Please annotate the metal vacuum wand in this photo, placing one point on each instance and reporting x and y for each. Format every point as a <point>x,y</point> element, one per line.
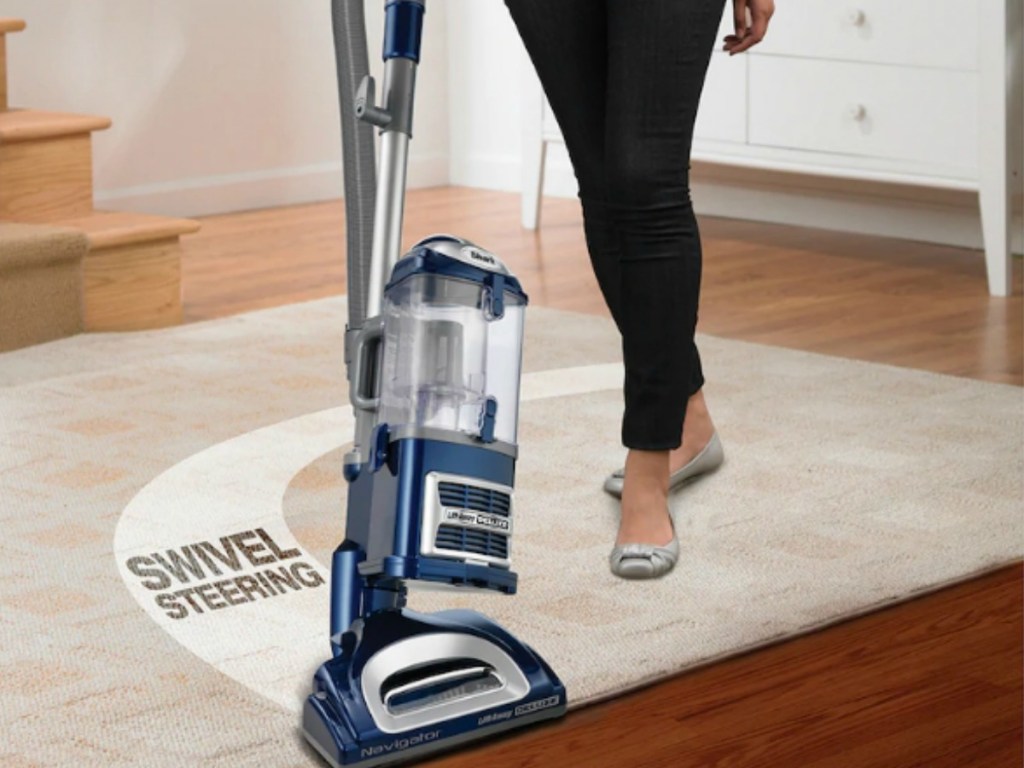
<point>369,271</point>
<point>394,118</point>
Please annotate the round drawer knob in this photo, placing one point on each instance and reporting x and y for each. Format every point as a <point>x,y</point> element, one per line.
<point>857,17</point>
<point>857,112</point>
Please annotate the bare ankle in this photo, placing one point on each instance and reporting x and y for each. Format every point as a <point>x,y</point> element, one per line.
<point>697,407</point>
<point>646,473</point>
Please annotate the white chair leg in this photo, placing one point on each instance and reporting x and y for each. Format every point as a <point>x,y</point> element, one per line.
<point>533,184</point>
<point>534,152</point>
<point>996,173</point>
<point>995,219</point>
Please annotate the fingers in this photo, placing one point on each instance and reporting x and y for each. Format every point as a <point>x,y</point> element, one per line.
<point>739,17</point>
<point>761,13</point>
<point>759,27</point>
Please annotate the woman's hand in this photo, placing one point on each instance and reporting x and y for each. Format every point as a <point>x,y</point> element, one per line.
<point>747,37</point>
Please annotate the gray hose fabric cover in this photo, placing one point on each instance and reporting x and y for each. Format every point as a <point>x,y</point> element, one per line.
<point>358,152</point>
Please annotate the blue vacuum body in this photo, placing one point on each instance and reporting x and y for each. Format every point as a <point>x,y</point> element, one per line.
<point>431,501</point>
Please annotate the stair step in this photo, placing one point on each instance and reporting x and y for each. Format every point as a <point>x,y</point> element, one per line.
<point>17,125</point>
<point>110,229</point>
<point>42,181</point>
<point>11,25</point>
<point>40,284</point>
<point>46,164</point>
<point>132,275</point>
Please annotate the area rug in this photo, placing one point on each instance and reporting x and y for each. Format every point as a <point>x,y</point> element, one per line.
<point>139,471</point>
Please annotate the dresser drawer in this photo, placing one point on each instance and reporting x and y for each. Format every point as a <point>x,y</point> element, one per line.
<point>723,104</point>
<point>921,116</point>
<point>925,33</point>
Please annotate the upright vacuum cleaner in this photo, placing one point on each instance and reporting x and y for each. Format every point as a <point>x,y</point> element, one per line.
<point>433,352</point>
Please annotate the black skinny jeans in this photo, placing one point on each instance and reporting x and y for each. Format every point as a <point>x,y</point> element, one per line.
<point>623,78</point>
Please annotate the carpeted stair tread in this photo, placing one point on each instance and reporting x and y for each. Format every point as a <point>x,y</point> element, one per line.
<point>33,124</point>
<point>11,25</point>
<point>40,283</point>
<point>36,244</point>
<point>108,229</point>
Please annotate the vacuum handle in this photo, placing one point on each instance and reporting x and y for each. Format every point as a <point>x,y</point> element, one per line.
<point>365,381</point>
<point>366,104</point>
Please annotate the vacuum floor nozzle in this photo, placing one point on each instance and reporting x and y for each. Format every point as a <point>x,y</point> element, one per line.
<point>410,684</point>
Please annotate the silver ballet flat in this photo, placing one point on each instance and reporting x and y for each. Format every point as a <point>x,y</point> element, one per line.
<point>644,561</point>
<point>708,460</point>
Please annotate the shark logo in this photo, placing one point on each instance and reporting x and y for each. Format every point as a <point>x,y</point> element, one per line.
<point>475,254</point>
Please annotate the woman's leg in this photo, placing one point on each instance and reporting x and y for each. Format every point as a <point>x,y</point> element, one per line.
<point>658,53</point>
<point>568,42</point>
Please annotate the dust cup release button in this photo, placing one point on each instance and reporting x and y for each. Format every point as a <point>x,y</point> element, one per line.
<point>487,419</point>
<point>493,301</point>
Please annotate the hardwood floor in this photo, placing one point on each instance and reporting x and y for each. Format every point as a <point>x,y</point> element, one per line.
<point>933,682</point>
<point>890,301</point>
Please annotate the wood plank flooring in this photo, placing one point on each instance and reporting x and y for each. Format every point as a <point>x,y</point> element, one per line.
<point>933,682</point>
<point>890,301</point>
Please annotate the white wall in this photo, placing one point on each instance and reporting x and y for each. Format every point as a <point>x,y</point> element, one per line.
<point>218,105</point>
<point>490,77</point>
<point>487,65</point>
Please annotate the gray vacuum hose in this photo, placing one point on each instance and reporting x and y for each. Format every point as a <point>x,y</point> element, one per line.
<point>358,154</point>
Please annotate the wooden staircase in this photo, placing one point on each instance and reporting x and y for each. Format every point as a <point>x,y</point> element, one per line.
<point>132,273</point>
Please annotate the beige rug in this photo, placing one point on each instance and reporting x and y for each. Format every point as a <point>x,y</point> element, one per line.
<point>133,468</point>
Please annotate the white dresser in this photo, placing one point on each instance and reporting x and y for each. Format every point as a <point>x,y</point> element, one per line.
<point>906,91</point>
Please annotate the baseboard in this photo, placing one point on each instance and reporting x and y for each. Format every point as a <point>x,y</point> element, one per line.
<point>890,210</point>
<point>211,195</point>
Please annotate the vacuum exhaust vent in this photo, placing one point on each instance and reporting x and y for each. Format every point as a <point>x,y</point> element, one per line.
<point>468,519</point>
<point>475,497</point>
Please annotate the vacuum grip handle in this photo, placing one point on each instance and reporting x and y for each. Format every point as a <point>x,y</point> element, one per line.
<point>364,383</point>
